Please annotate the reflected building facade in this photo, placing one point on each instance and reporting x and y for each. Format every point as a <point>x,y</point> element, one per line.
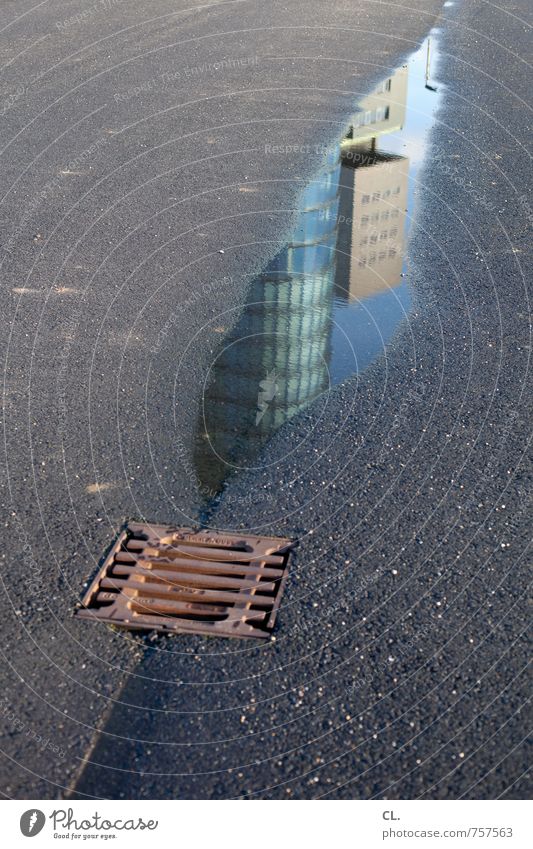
<point>275,360</point>
<point>373,196</point>
<point>348,243</point>
<point>381,112</point>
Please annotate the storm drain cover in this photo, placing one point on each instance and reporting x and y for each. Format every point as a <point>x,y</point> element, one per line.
<point>190,581</point>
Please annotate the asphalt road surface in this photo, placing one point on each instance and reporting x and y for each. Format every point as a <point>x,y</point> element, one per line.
<point>141,194</point>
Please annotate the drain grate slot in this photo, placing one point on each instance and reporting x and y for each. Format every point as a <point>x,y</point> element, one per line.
<point>189,581</point>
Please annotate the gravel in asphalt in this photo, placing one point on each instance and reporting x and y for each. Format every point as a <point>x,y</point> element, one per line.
<point>398,668</point>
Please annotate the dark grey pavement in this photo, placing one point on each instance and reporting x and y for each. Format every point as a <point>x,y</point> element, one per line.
<point>398,668</point>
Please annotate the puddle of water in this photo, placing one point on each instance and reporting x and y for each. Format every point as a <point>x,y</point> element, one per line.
<point>332,299</point>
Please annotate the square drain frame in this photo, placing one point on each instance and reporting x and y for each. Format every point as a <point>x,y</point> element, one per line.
<point>182,580</point>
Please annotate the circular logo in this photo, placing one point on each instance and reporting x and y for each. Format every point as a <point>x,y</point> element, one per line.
<point>32,822</point>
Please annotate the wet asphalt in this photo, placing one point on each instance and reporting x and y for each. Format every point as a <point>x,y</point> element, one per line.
<point>398,665</point>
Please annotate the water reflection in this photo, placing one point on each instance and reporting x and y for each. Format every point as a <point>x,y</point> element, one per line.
<point>275,360</point>
<point>330,301</point>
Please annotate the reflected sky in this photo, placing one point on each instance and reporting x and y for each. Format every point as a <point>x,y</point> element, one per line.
<point>331,300</point>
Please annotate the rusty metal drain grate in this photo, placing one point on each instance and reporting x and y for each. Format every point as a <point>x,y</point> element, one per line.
<point>188,581</point>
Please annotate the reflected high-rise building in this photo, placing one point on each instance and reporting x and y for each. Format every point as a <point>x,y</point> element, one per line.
<point>276,359</point>
<point>381,112</point>
<point>373,196</point>
<point>372,212</point>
